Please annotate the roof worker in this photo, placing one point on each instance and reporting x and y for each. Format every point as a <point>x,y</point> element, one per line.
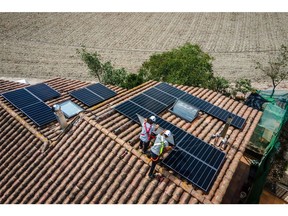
<point>158,148</point>
<point>147,133</point>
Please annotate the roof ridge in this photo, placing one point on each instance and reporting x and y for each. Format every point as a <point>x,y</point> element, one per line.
<point>188,188</point>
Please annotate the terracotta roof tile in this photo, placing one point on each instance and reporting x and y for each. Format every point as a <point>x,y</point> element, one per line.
<point>185,197</point>
<point>97,161</point>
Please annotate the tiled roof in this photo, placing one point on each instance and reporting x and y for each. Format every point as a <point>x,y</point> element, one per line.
<point>97,160</point>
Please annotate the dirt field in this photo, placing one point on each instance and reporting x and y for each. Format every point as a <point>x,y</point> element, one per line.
<point>43,45</point>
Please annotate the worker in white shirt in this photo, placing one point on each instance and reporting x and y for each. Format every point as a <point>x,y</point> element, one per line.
<point>147,133</point>
<point>160,145</point>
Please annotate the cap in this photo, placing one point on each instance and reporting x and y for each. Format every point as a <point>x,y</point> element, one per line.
<point>167,133</point>
<point>153,118</point>
<point>56,107</point>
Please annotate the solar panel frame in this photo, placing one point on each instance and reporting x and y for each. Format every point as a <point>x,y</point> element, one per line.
<point>43,91</point>
<point>40,113</point>
<point>20,98</point>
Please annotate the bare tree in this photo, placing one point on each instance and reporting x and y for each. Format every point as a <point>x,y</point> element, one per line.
<point>276,68</point>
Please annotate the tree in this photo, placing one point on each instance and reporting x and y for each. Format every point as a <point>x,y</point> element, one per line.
<point>93,62</point>
<point>186,65</point>
<point>106,73</point>
<point>276,69</point>
<point>219,84</point>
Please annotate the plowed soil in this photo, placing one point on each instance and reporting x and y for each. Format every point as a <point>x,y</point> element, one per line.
<point>43,45</point>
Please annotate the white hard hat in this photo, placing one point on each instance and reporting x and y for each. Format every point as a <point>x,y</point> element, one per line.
<point>153,118</point>
<point>167,133</point>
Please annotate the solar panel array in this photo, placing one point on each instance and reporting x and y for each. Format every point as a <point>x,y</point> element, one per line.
<point>213,110</point>
<point>29,101</point>
<point>168,94</point>
<point>158,98</point>
<point>93,94</point>
<point>191,158</point>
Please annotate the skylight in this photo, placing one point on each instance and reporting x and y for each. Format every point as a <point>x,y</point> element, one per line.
<point>70,109</point>
<point>184,110</point>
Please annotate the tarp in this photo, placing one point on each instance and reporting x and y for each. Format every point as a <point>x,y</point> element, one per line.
<point>265,139</point>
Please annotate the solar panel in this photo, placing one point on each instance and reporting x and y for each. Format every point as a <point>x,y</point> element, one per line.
<point>93,94</point>
<point>43,91</point>
<point>213,110</point>
<point>175,92</point>
<point>160,96</point>
<point>238,121</point>
<point>39,113</point>
<point>101,90</point>
<point>130,110</point>
<point>202,150</point>
<point>191,168</point>
<point>86,96</point>
<point>149,103</point>
<point>20,98</point>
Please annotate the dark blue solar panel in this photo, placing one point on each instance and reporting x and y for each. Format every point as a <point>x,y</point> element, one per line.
<point>149,103</point>
<point>93,94</point>
<point>160,96</point>
<point>175,92</point>
<point>202,150</point>
<point>20,98</point>
<point>39,113</point>
<point>238,121</point>
<point>101,90</point>
<point>130,110</point>
<point>43,91</point>
<point>213,110</point>
<point>191,168</point>
<point>86,96</point>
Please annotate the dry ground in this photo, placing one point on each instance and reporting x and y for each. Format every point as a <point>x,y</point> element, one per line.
<point>43,45</point>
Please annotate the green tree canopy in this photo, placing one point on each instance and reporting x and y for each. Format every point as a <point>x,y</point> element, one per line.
<point>186,65</point>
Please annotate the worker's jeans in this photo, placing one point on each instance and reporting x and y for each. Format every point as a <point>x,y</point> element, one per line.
<point>155,159</point>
